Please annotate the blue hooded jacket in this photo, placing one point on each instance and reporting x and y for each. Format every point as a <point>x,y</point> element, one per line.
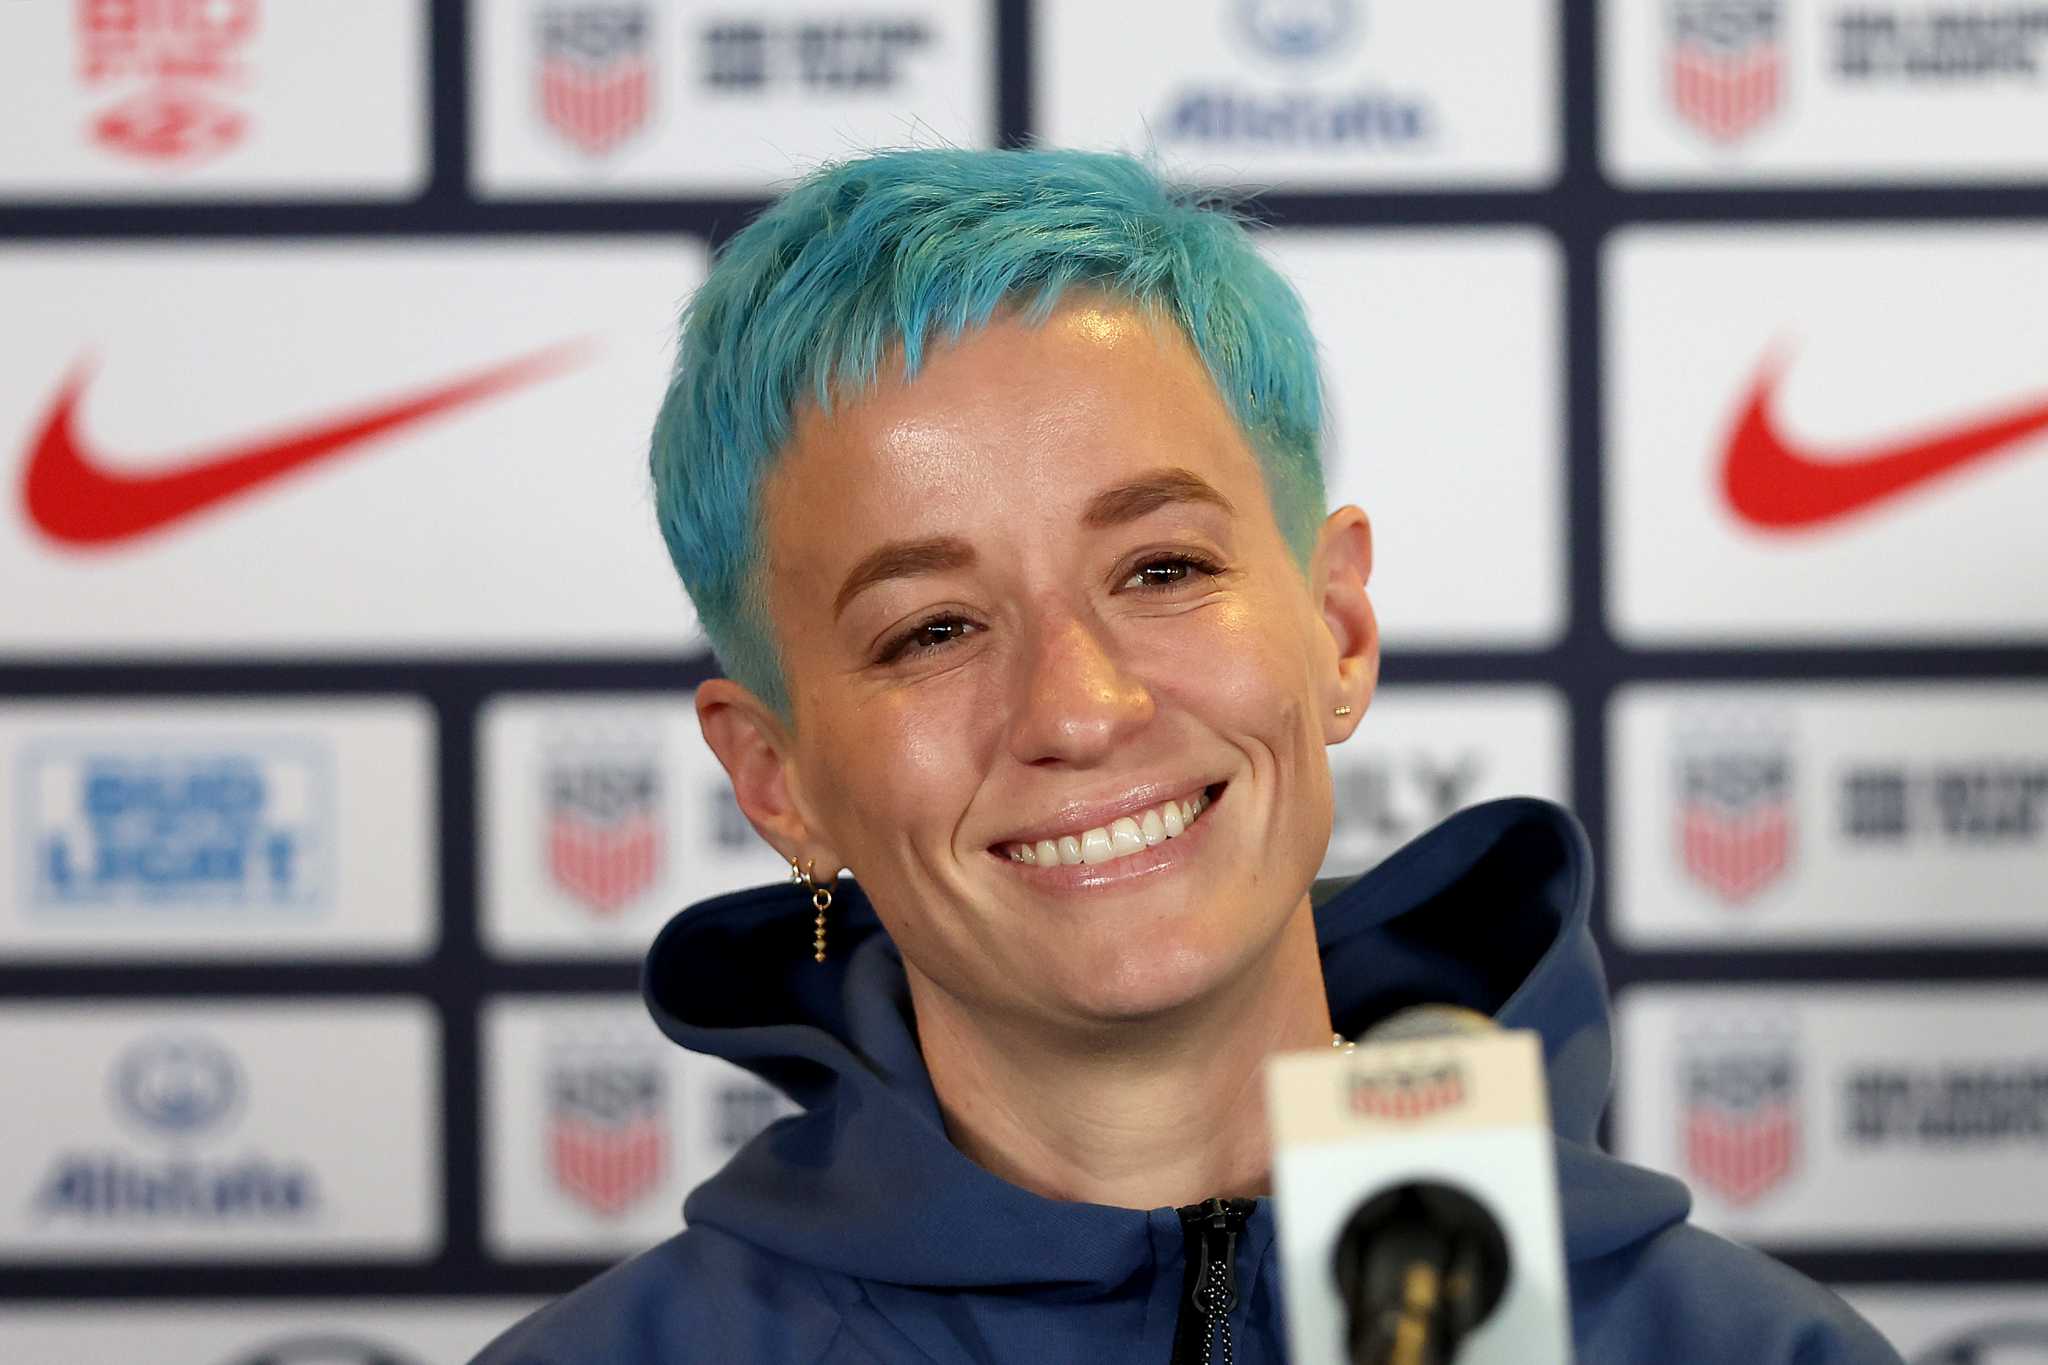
<point>856,1232</point>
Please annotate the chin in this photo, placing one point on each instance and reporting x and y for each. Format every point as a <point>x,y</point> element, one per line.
<point>1128,986</point>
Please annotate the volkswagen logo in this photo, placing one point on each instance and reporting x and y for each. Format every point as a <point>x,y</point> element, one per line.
<point>177,1085</point>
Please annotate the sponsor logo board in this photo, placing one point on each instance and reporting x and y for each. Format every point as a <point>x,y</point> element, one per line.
<point>603,98</point>
<point>1316,94</point>
<point>1727,91</point>
<point>1422,753</point>
<point>1822,1116</point>
<point>1410,326</point>
<point>598,1125</point>
<point>151,99</point>
<point>170,420</point>
<point>1842,813</point>
<point>1794,416</point>
<point>1965,1324</point>
<point>205,1332</point>
<point>227,1130</point>
<point>602,817</point>
<point>217,829</point>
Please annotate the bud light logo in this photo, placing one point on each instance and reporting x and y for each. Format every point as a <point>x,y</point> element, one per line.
<point>180,1092</point>
<point>160,828</point>
<point>177,1086</point>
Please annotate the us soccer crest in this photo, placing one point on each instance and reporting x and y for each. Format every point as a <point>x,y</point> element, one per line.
<point>1735,827</point>
<point>604,822</point>
<point>596,73</point>
<point>1739,1107</point>
<point>1408,1093</point>
<point>1725,69</point>
<point>608,1138</point>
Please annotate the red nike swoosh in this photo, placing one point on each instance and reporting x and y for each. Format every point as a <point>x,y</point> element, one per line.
<point>1777,486</point>
<point>72,499</point>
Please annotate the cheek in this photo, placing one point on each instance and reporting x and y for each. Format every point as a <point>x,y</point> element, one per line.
<point>902,772</point>
<point>1248,666</point>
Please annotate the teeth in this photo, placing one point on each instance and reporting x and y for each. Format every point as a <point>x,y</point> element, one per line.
<point>1118,839</point>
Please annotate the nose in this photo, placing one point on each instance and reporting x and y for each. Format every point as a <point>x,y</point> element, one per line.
<point>1077,702</point>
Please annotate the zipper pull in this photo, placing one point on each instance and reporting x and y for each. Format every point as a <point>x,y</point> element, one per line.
<point>1215,1289</point>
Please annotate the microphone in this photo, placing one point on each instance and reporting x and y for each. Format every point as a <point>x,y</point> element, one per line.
<point>1415,1188</point>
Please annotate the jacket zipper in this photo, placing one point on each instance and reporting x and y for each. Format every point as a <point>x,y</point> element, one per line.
<point>1209,1293</point>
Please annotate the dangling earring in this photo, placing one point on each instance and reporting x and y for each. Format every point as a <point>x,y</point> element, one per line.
<point>821,901</point>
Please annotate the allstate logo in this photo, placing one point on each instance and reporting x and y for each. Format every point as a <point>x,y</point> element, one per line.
<point>177,1086</point>
<point>324,1350</point>
<point>1296,29</point>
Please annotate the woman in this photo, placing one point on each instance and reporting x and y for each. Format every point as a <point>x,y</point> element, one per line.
<point>994,477</point>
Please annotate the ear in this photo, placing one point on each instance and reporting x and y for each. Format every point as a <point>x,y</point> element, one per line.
<point>759,755</point>
<point>1342,564</point>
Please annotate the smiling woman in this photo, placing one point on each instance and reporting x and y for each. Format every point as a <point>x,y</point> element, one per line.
<point>994,478</point>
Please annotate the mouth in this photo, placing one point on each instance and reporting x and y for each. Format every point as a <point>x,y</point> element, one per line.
<point>1127,836</point>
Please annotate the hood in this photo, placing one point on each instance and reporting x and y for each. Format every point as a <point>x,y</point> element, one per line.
<point>1488,910</point>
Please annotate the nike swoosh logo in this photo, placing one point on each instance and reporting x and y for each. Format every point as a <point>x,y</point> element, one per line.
<point>1777,486</point>
<point>75,500</point>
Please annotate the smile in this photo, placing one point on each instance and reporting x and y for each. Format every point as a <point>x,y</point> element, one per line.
<point>1120,838</point>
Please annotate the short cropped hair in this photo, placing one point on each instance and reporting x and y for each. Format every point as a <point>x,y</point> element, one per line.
<point>882,257</point>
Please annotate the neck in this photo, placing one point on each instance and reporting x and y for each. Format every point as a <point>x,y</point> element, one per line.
<point>1168,1111</point>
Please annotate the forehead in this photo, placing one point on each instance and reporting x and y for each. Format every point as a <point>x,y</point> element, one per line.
<point>1048,411</point>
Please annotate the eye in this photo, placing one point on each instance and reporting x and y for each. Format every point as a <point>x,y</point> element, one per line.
<point>1163,573</point>
<point>927,637</point>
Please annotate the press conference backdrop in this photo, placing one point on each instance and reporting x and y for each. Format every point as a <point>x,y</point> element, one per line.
<point>1691,357</point>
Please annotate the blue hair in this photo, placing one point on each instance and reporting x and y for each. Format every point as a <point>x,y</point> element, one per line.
<point>886,255</point>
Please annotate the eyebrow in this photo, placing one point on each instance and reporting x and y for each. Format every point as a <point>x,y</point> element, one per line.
<point>903,559</point>
<point>1149,492</point>
<point>1126,502</point>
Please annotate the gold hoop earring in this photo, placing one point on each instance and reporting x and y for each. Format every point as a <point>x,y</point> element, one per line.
<point>805,875</point>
